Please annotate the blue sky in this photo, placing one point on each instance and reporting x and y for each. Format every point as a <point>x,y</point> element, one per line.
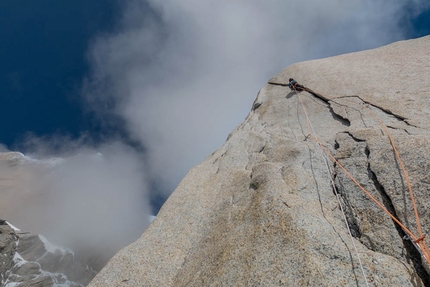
<point>43,56</point>
<point>420,25</point>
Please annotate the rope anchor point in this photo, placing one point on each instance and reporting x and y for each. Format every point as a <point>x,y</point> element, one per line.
<point>420,239</point>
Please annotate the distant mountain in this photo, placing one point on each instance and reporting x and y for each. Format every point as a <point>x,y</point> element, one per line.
<point>31,260</point>
<point>264,209</point>
<point>69,202</point>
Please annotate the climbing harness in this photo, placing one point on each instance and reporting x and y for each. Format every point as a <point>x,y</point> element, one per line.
<point>294,86</point>
<point>418,241</point>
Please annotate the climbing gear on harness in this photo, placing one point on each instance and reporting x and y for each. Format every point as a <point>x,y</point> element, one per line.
<point>294,86</point>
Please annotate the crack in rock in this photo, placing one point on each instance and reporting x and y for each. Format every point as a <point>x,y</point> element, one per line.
<point>343,120</point>
<point>412,256</point>
<point>356,140</point>
<point>385,110</point>
<point>348,146</point>
<point>412,253</point>
<point>327,100</point>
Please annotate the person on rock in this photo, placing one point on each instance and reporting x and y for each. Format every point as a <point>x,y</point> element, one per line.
<point>294,86</point>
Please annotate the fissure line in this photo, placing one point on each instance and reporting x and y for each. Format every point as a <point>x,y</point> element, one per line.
<point>310,130</point>
<point>417,240</point>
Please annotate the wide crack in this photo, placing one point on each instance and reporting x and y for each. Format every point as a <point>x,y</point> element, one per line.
<point>412,253</point>
<point>344,121</point>
<point>325,99</point>
<point>385,110</point>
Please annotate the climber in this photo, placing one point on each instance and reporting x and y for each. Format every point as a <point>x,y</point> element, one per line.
<point>294,86</point>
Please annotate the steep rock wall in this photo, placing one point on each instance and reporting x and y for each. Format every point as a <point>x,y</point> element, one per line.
<point>261,210</point>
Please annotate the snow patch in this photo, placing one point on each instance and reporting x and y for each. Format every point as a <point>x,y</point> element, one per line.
<point>18,260</point>
<point>20,158</point>
<point>13,227</point>
<point>59,279</point>
<point>12,284</point>
<point>51,248</point>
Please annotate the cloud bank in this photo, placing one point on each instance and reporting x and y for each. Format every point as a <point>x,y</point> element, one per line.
<point>183,74</point>
<point>92,200</point>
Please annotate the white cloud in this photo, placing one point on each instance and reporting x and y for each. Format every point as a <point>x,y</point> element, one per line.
<point>183,74</point>
<point>99,198</point>
<point>93,201</point>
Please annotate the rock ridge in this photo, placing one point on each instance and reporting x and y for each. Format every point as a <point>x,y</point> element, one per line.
<point>262,210</point>
<point>31,260</point>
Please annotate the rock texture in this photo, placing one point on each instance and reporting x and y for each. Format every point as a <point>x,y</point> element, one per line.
<point>261,210</point>
<point>28,259</point>
<point>7,249</point>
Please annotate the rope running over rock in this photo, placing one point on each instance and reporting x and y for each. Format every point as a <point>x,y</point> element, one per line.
<point>310,130</point>
<point>418,241</point>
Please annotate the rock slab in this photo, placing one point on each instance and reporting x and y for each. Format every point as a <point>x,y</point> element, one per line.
<point>262,210</point>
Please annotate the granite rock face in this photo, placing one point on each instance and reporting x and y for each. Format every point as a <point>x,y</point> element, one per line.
<point>262,211</point>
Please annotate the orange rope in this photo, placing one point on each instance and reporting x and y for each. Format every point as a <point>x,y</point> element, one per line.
<point>405,174</point>
<point>419,241</point>
<point>335,190</point>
